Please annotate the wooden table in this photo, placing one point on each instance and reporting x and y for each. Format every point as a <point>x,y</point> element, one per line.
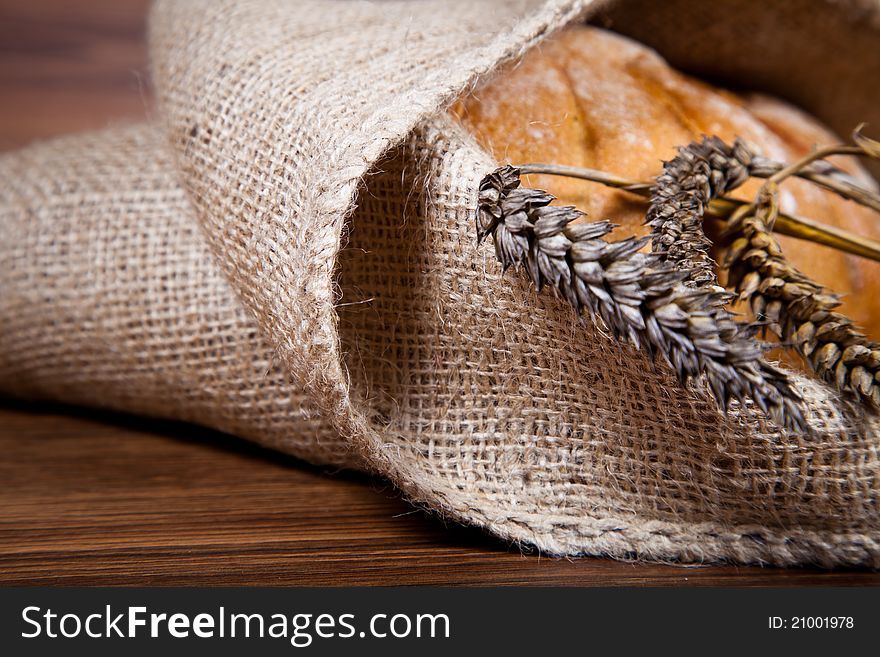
<point>94,498</point>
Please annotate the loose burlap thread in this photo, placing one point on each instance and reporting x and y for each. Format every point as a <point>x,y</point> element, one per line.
<point>288,255</point>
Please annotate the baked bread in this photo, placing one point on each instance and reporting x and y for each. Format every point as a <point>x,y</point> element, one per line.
<point>595,99</point>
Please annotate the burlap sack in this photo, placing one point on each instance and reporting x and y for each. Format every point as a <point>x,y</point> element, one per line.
<point>288,254</point>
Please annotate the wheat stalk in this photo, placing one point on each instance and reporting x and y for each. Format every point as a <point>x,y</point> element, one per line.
<point>824,174</point>
<point>669,301</point>
<point>642,297</point>
<point>723,207</point>
<point>794,307</point>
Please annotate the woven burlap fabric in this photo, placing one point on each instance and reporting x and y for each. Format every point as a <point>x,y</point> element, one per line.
<point>111,299</point>
<point>288,255</point>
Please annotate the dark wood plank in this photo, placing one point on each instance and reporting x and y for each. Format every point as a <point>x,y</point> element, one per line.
<point>95,498</point>
<point>98,498</point>
<point>67,66</point>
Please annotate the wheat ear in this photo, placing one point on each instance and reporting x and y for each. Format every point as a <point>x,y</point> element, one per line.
<point>638,296</point>
<point>794,307</point>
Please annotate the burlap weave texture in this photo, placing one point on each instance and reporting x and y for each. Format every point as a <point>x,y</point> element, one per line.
<point>289,255</point>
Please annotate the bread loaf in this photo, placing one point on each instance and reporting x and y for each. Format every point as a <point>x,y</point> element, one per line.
<point>595,99</point>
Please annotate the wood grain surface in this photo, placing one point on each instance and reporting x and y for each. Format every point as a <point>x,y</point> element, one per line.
<point>91,498</point>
